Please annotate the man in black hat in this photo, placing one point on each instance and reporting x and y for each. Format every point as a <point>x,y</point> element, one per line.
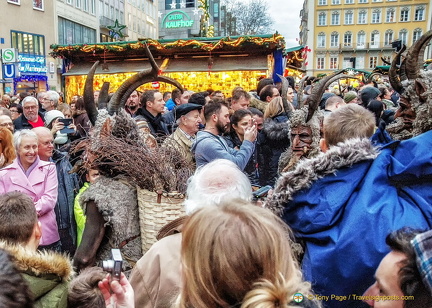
<point>188,120</point>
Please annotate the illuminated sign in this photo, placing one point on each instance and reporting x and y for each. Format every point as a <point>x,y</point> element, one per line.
<point>32,64</point>
<point>177,19</point>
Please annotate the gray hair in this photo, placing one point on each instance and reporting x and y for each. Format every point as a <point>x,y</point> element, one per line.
<point>215,182</point>
<point>53,96</point>
<point>29,99</point>
<point>23,133</point>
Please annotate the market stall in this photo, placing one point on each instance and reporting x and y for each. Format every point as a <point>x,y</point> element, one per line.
<point>198,64</point>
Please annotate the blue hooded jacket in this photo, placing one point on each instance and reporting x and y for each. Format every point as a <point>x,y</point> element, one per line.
<point>344,203</point>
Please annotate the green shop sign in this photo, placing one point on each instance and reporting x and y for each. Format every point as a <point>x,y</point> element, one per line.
<point>177,19</point>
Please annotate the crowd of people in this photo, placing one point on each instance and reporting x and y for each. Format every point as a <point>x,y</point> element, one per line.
<point>345,223</point>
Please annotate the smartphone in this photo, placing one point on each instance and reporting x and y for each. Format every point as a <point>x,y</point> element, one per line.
<point>66,129</point>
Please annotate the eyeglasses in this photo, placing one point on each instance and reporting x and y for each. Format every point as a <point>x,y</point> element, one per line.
<point>6,124</point>
<point>13,111</point>
<point>30,107</point>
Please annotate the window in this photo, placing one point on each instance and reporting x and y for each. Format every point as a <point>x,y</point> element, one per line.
<point>69,2</point>
<point>360,62</point>
<point>38,5</point>
<point>373,62</point>
<point>322,19</point>
<point>376,16</point>
<point>362,17</point>
<point>363,1</point>
<point>335,18</point>
<point>403,36</point>
<point>322,2</point>
<point>386,59</point>
<point>335,1</point>
<point>93,7</point>
<point>320,63</point>
<point>361,39</point>
<point>85,5</point>
<point>348,39</point>
<point>73,33</point>
<point>321,40</point>
<point>374,39</point>
<point>349,1</point>
<point>388,37</point>
<point>78,4</point>
<point>419,13</point>
<point>390,15</point>
<point>333,63</point>
<point>334,39</point>
<point>349,18</point>
<point>180,4</point>
<point>404,14</point>
<point>28,43</point>
<point>417,34</point>
<point>14,1</point>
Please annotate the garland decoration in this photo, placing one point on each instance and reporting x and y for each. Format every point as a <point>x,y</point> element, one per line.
<point>64,51</point>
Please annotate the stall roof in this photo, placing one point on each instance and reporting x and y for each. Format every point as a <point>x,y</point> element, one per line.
<point>294,48</point>
<point>177,65</point>
<point>235,45</point>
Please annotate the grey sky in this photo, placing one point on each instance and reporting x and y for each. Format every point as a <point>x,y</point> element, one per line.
<point>285,14</point>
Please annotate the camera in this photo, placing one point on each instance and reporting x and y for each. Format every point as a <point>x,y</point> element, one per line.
<point>114,266</point>
<point>261,193</point>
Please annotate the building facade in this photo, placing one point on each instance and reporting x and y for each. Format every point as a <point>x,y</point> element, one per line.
<point>184,18</point>
<point>29,37</point>
<point>141,19</point>
<point>359,33</point>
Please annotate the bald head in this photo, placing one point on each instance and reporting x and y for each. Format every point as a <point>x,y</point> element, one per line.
<point>45,142</point>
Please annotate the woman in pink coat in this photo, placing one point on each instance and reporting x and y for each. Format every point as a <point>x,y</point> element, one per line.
<point>37,179</point>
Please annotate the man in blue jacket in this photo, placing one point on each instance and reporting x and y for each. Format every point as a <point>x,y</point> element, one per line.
<point>209,145</point>
<point>344,202</point>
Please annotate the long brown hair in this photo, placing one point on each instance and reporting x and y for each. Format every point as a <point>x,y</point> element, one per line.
<point>7,146</point>
<point>237,254</point>
<point>274,107</point>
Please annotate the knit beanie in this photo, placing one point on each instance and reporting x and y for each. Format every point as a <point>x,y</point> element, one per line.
<point>369,93</point>
<point>348,97</point>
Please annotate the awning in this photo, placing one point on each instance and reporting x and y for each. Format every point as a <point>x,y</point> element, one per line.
<point>113,67</point>
<point>294,48</point>
<point>220,64</point>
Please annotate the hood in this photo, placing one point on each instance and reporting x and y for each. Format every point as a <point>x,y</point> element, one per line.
<point>276,130</point>
<point>200,136</point>
<point>39,263</point>
<point>309,170</point>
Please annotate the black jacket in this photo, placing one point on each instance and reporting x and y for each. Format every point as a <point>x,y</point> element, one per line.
<point>273,140</point>
<point>22,123</point>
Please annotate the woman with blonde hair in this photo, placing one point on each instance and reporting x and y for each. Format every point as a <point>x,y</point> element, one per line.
<point>7,149</point>
<point>239,255</point>
<point>272,141</point>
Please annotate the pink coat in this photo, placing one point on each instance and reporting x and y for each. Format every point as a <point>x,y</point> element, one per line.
<point>41,187</point>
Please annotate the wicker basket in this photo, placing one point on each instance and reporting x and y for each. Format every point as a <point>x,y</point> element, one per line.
<point>156,209</point>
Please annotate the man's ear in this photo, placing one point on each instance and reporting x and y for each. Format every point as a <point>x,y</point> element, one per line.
<point>214,117</point>
<point>37,231</point>
<point>420,89</point>
<point>323,145</point>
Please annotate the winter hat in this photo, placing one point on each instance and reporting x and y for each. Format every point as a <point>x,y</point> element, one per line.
<point>348,97</point>
<point>369,93</point>
<point>51,115</point>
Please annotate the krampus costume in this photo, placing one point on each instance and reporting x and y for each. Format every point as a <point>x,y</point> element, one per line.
<point>343,204</point>
<point>114,193</point>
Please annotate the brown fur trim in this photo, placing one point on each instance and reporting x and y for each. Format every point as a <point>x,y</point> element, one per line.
<point>39,262</point>
<point>309,170</point>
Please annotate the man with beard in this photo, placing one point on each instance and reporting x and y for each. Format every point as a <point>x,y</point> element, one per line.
<point>209,145</point>
<point>31,117</point>
<point>132,105</point>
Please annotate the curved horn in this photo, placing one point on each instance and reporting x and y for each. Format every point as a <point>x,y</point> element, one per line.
<point>140,82</point>
<point>385,61</point>
<point>89,102</point>
<point>300,91</point>
<point>284,91</point>
<point>415,53</point>
<point>317,92</point>
<point>142,77</point>
<point>103,96</point>
<point>371,77</point>
<point>393,73</point>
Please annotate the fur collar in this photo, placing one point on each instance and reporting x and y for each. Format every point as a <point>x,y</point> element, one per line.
<point>307,171</point>
<point>276,131</point>
<point>39,262</point>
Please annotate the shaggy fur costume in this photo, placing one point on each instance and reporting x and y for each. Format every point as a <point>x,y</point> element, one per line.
<point>117,202</point>
<point>423,121</point>
<point>307,171</point>
<point>287,161</point>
